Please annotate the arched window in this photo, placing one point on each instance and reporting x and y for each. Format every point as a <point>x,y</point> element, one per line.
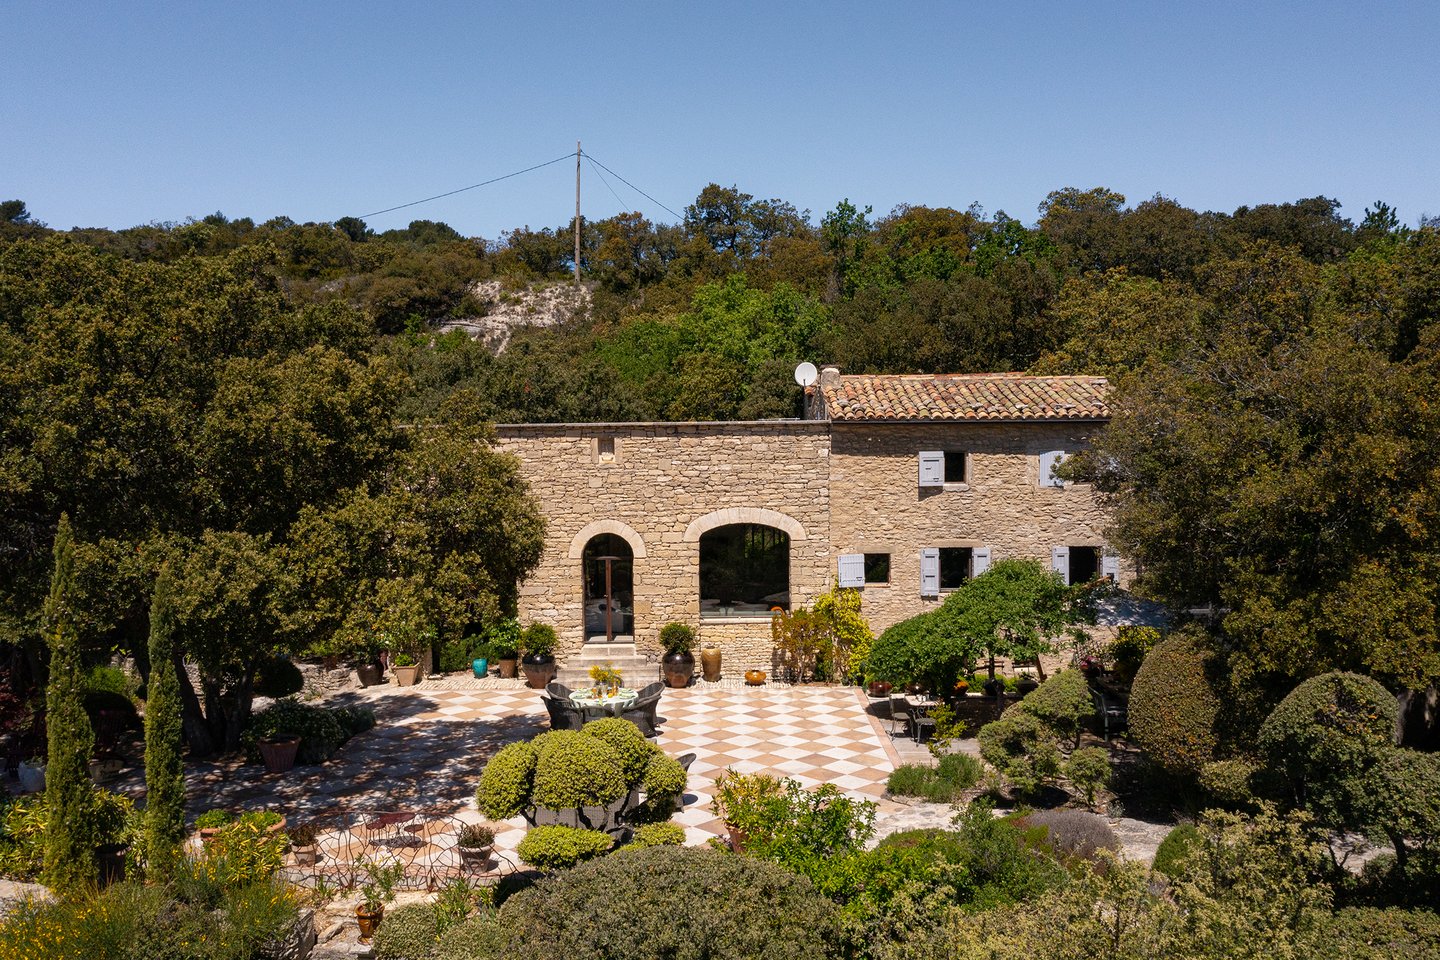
<point>621,586</point>
<point>744,569</point>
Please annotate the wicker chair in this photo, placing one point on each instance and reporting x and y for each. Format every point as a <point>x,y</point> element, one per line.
<point>563,716</point>
<point>558,690</point>
<point>642,711</point>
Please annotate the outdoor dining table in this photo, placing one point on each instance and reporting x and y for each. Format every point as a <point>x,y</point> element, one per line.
<point>605,704</point>
<point>920,705</point>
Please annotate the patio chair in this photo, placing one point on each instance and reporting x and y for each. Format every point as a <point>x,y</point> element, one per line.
<point>642,711</point>
<point>896,711</point>
<point>685,759</point>
<point>651,689</point>
<point>563,716</point>
<point>558,690</point>
<point>1111,713</point>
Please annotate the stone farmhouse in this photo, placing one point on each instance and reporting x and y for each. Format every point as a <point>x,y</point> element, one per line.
<point>902,486</point>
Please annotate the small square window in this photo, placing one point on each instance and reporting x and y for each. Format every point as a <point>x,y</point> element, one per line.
<point>954,567</point>
<point>956,463</point>
<point>605,448</point>
<point>877,568</point>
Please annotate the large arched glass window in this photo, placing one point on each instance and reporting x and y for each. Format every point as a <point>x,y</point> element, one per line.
<point>621,587</point>
<point>744,569</point>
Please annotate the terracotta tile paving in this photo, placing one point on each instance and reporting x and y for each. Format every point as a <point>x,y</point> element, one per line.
<point>431,743</point>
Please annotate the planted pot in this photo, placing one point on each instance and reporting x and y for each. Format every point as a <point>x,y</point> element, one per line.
<point>710,664</point>
<point>279,753</point>
<point>755,678</point>
<point>32,777</point>
<point>475,858</point>
<point>678,668</point>
<point>368,920</point>
<point>368,673</point>
<point>738,837</point>
<point>509,667</point>
<point>879,688</point>
<point>111,859</point>
<point>481,666</point>
<point>305,856</point>
<point>406,676</point>
<point>1026,684</point>
<point>540,669</point>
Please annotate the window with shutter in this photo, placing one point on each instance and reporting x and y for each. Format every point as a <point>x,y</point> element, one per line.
<point>979,561</point>
<point>930,572</point>
<point>954,567</point>
<point>932,468</point>
<point>852,570</point>
<point>1110,568</point>
<point>877,569</point>
<point>1048,462</point>
<point>1060,562</point>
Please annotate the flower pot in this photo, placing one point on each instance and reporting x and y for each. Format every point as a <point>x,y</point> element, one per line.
<point>879,688</point>
<point>917,687</point>
<point>32,777</point>
<point>509,666</point>
<point>710,664</point>
<point>738,837</point>
<point>962,689</point>
<point>678,668</point>
<point>539,670</point>
<point>475,858</point>
<point>368,920</point>
<point>406,676</point>
<point>279,753</point>
<point>1026,684</point>
<point>369,674</point>
<point>305,856</point>
<point>111,859</point>
<point>755,678</point>
<point>481,666</point>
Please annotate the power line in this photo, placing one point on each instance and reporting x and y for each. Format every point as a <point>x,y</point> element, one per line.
<point>452,193</point>
<point>604,181</point>
<point>635,188</point>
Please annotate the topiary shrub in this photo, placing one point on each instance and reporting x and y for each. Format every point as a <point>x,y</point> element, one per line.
<point>538,640</point>
<point>1063,703</point>
<point>630,746</point>
<point>664,782</point>
<point>478,938</point>
<point>658,835</point>
<point>277,677</point>
<point>1088,769</point>
<point>1174,707</point>
<point>683,902</point>
<point>560,848</point>
<point>573,770</point>
<point>1074,833</point>
<point>408,933</point>
<point>1022,749</point>
<point>1230,784</point>
<point>677,637</point>
<point>1402,802</point>
<point>506,782</point>
<point>1367,933</point>
<point>1178,845</point>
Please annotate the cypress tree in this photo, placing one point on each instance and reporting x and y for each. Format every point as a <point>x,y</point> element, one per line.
<point>164,766</point>
<point>69,796</point>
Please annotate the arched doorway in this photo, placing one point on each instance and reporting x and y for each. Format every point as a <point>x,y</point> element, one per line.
<point>621,586</point>
<point>744,570</point>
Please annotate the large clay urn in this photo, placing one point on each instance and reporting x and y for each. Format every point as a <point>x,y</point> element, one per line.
<point>710,664</point>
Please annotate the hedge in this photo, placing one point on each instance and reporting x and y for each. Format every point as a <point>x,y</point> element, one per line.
<point>1174,708</point>
<point>560,848</point>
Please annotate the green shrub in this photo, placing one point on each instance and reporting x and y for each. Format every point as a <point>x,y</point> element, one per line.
<point>1089,770</point>
<point>244,852</point>
<point>408,933</point>
<point>560,848</point>
<point>574,770</point>
<point>538,640</point>
<point>1360,933</point>
<point>22,837</point>
<point>277,677</point>
<point>1001,861</point>
<point>211,819</point>
<point>506,782</point>
<point>106,679</point>
<point>1063,703</point>
<point>665,780</point>
<point>805,830</point>
<point>1174,707</point>
<point>683,902</point>
<point>1402,801</point>
<point>658,835</point>
<point>1022,749</point>
<point>677,637</point>
<point>478,938</point>
<point>943,783</point>
<point>320,732</point>
<point>1074,833</point>
<point>1179,844</point>
<point>630,746</point>
<point>1230,784</point>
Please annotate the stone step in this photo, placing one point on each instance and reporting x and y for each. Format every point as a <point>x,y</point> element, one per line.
<point>577,669</point>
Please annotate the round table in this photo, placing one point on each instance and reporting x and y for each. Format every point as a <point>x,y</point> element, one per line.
<point>605,704</point>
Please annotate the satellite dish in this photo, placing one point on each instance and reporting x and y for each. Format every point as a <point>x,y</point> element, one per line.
<point>805,374</point>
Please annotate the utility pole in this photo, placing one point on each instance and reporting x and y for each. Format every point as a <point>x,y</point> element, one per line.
<point>577,213</point>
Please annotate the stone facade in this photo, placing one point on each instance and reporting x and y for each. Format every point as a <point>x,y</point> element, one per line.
<point>835,487</point>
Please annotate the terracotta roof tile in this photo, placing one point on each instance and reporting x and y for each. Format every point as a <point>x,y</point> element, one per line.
<point>971,396</point>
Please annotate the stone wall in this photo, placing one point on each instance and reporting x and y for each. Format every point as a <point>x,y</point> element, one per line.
<point>877,505</point>
<point>664,485</point>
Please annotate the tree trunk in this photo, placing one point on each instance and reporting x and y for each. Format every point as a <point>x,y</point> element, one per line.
<point>192,719</point>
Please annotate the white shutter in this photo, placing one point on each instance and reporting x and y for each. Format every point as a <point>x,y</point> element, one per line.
<point>979,561</point>
<point>852,570</point>
<point>1048,462</point>
<point>1110,567</point>
<point>932,468</point>
<point>930,572</point>
<point>1060,562</point>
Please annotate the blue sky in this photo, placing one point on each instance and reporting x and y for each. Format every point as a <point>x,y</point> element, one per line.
<point>123,113</point>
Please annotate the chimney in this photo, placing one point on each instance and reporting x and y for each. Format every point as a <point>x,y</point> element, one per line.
<point>829,375</point>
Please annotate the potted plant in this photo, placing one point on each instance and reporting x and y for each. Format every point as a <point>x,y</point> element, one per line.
<point>710,662</point>
<point>303,841</point>
<point>405,669</point>
<point>278,752</point>
<point>32,775</point>
<point>212,822</point>
<point>475,843</point>
<point>679,662</point>
<point>539,642</point>
<point>741,800</point>
<point>962,687</point>
<point>377,890</point>
<point>606,678</point>
<point>505,644</point>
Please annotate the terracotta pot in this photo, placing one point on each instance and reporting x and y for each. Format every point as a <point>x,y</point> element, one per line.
<point>279,753</point>
<point>879,688</point>
<point>539,671</point>
<point>917,687</point>
<point>509,666</point>
<point>305,856</point>
<point>368,673</point>
<point>368,921</point>
<point>755,678</point>
<point>710,664</point>
<point>406,676</point>
<point>678,668</point>
<point>738,838</point>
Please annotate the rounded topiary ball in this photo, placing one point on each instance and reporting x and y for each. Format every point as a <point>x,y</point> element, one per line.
<point>506,782</point>
<point>1174,708</point>
<point>627,741</point>
<point>573,770</point>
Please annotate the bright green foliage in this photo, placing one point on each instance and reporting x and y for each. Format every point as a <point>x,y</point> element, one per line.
<point>1181,842</point>
<point>506,782</point>
<point>1022,748</point>
<point>677,637</point>
<point>574,770</point>
<point>408,933</point>
<point>624,907</point>
<point>635,752</point>
<point>945,782</point>
<point>808,831</point>
<point>538,639</point>
<point>1062,702</point>
<point>664,781</point>
<point>164,763</point>
<point>560,848</point>
<point>1089,770</point>
<point>658,835</point>
<point>830,642</point>
<point>1174,707</point>
<point>322,730</point>
<point>70,839</point>
<point>1323,740</point>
